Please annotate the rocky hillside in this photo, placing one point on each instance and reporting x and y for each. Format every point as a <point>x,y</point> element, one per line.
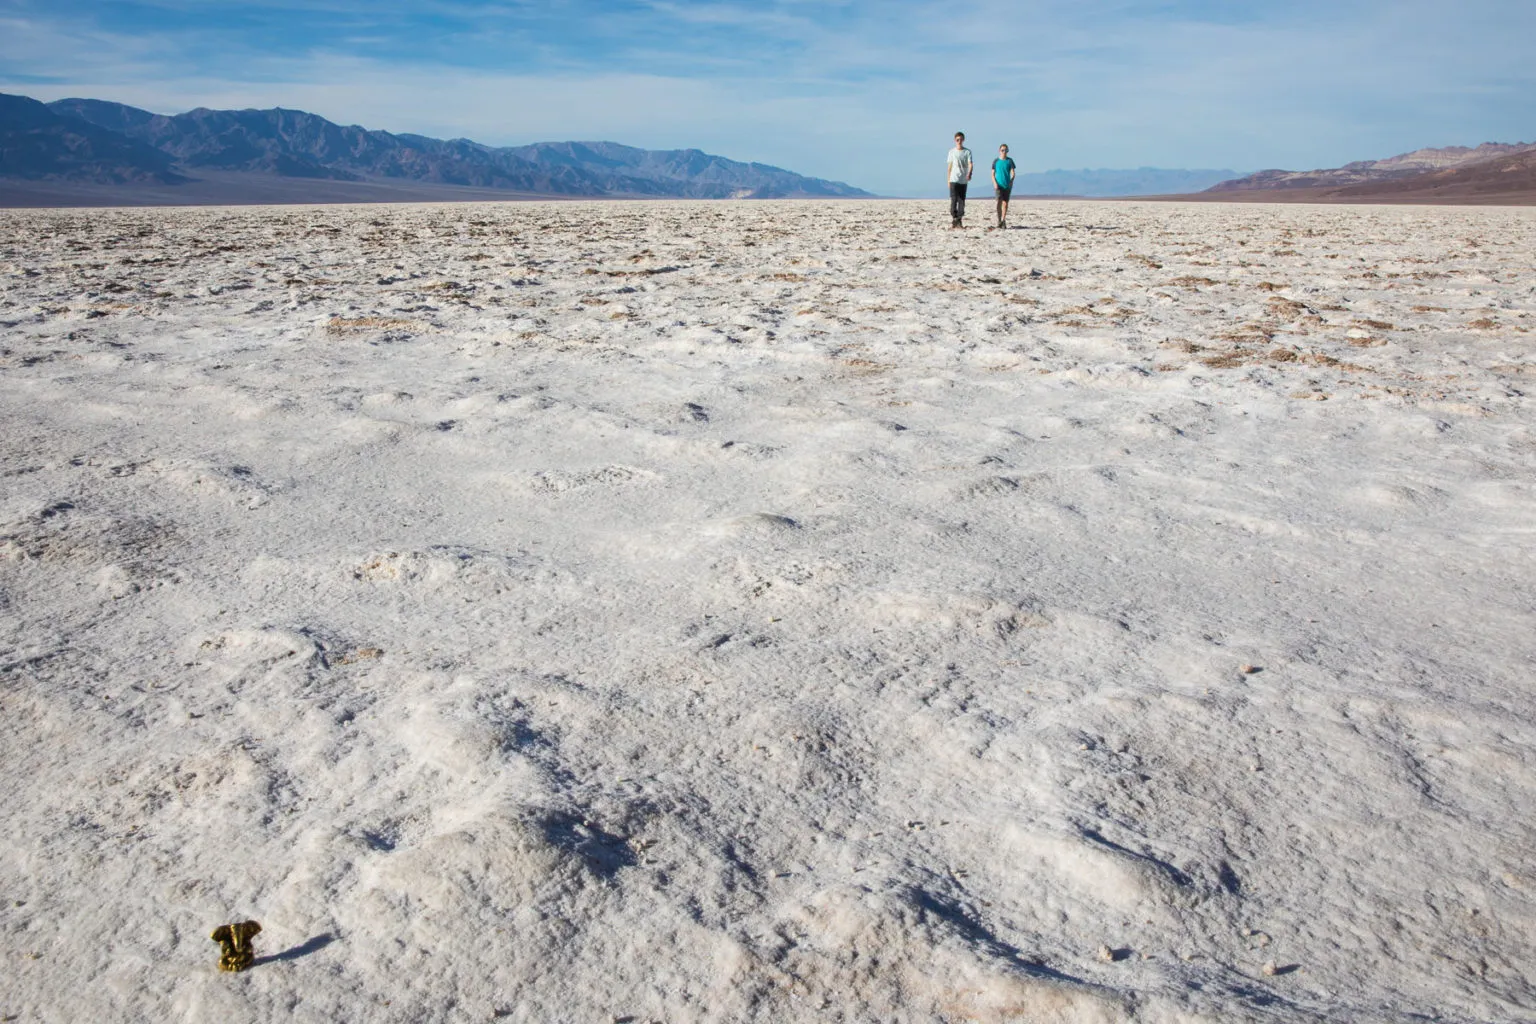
<point>38,144</point>
<point>1507,177</point>
<point>1447,157</point>
<point>1368,172</point>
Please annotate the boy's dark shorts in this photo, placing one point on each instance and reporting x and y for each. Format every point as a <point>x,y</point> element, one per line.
<point>1004,193</point>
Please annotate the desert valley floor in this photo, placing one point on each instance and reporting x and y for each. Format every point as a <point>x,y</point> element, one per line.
<point>769,612</point>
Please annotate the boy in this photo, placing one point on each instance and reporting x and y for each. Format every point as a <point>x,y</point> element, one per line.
<point>959,168</point>
<point>1003,171</point>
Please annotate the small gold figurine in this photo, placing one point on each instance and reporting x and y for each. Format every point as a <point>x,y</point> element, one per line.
<point>235,953</point>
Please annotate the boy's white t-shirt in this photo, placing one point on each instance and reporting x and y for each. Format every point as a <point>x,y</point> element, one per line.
<point>959,166</point>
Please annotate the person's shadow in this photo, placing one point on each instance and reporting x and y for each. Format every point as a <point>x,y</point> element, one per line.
<point>308,946</point>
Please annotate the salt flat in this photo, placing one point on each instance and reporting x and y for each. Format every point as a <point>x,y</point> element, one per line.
<point>769,612</point>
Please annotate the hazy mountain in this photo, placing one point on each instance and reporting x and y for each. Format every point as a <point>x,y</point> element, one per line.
<point>1142,181</point>
<point>38,144</point>
<point>609,161</point>
<point>1366,172</point>
<point>297,144</point>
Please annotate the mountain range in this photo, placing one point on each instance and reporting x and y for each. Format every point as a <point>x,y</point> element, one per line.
<point>90,147</point>
<point>1106,182</point>
<point>1490,173</point>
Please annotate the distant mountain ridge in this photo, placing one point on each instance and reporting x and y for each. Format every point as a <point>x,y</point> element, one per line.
<point>36,142</point>
<point>98,142</point>
<point>1106,182</point>
<point>1374,172</point>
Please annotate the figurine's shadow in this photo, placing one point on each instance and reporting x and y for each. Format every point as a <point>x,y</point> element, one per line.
<point>304,948</point>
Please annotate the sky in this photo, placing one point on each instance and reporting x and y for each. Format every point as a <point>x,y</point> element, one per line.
<point>863,91</point>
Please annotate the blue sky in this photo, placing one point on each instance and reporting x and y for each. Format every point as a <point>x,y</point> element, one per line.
<point>863,91</point>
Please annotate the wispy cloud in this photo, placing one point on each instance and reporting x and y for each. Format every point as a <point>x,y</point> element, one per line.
<point>864,91</point>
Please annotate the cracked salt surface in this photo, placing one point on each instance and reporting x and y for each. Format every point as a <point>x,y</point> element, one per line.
<point>774,611</point>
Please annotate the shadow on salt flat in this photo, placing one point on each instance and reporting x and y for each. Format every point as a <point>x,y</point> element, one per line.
<point>311,945</point>
<point>603,852</point>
